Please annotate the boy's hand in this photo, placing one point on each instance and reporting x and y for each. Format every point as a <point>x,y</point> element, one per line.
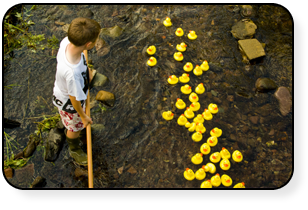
<point>86,120</point>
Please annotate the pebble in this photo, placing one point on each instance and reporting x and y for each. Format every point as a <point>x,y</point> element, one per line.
<point>254,119</point>
<point>132,170</point>
<point>8,173</point>
<point>105,97</point>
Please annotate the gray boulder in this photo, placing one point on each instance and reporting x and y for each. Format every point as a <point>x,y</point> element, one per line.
<point>54,144</point>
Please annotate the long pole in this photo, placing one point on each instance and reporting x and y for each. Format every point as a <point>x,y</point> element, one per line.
<point>89,140</point>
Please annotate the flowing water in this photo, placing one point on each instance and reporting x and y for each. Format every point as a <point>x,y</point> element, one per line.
<point>153,152</point>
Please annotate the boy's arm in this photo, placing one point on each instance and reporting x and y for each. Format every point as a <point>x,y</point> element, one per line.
<point>77,106</point>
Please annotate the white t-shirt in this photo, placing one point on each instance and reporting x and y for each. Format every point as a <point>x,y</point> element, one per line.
<point>70,80</point>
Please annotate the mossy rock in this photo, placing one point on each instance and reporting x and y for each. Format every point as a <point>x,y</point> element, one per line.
<point>112,32</point>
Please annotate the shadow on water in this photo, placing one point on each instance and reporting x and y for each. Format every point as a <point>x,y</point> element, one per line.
<point>137,147</point>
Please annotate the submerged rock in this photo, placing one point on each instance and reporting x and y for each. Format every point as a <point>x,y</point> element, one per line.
<point>102,47</point>
<point>265,84</point>
<point>246,10</point>
<point>54,144</point>
<point>112,32</point>
<point>38,182</point>
<point>34,140</point>
<point>87,13</point>
<point>98,80</point>
<point>252,48</point>
<point>8,173</point>
<point>10,123</point>
<point>105,97</point>
<point>285,100</point>
<point>244,29</point>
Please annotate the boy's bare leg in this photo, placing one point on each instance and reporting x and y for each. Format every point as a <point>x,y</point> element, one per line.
<point>72,135</point>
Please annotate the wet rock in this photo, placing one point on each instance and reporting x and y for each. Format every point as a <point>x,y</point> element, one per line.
<point>277,165</point>
<point>102,47</point>
<point>105,97</point>
<point>79,172</point>
<point>65,27</point>
<point>25,174</point>
<point>246,10</point>
<point>99,79</point>
<point>34,140</point>
<point>60,125</point>
<point>244,29</point>
<point>285,100</point>
<point>19,155</point>
<point>252,48</point>
<point>54,144</point>
<point>87,13</point>
<point>265,84</point>
<point>112,32</point>
<point>96,129</point>
<point>132,170</point>
<point>264,110</point>
<point>272,132</point>
<point>8,173</point>
<point>38,182</point>
<point>254,119</point>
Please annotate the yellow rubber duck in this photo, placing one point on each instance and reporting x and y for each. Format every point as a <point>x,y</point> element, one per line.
<point>206,184</point>
<point>204,66</point>
<point>237,156</point>
<point>172,80</point>
<point>180,104</point>
<point>199,119</point>
<point>205,149</point>
<point>178,56</point>
<point>200,174</point>
<point>189,113</point>
<point>152,61</point>
<point>197,136</point>
<point>215,180</point>
<point>184,78</point>
<point>192,127</point>
<point>186,89</point>
<point>192,35</point>
<point>188,124</point>
<point>168,115</point>
<point>151,50</point>
<point>193,97</point>
<point>215,157</point>
<point>181,47</point>
<point>210,167</point>
<point>197,159</point>
<point>189,174</point>
<point>213,108</point>
<point>212,141</point>
<point>167,22</point>
<point>198,71</point>
<point>179,32</point>
<point>200,89</point>
<point>195,106</point>
<point>200,127</point>
<point>188,67</point>
<point>216,132</point>
<point>239,185</point>
<point>207,115</point>
<point>225,153</point>
<point>226,180</point>
<point>182,120</point>
<point>225,164</point>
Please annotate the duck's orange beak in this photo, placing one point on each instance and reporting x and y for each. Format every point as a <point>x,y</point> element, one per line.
<point>204,150</point>
<point>239,157</point>
<point>210,141</point>
<point>187,169</point>
<point>226,165</point>
<point>213,156</point>
<point>228,181</point>
<point>213,130</point>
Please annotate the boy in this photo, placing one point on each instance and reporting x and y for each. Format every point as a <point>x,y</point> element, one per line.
<point>72,80</point>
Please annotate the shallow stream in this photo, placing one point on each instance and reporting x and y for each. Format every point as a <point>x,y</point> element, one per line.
<point>153,152</point>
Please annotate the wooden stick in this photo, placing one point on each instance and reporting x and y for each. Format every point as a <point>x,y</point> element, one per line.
<point>89,140</point>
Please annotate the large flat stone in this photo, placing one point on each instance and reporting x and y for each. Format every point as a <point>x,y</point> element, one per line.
<point>252,48</point>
